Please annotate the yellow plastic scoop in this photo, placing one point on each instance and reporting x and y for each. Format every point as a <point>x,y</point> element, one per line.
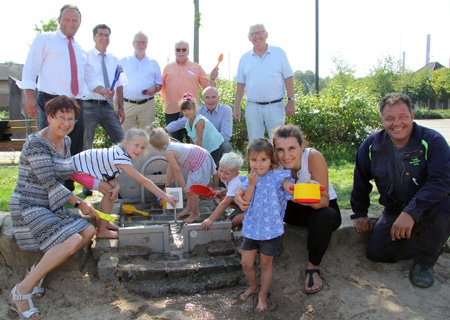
<point>129,209</point>
<point>105,216</point>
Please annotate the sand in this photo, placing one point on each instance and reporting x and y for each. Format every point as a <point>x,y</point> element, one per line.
<point>354,288</point>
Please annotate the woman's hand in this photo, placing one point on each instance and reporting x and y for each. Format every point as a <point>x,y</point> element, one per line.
<point>87,209</point>
<point>239,200</point>
<point>287,186</point>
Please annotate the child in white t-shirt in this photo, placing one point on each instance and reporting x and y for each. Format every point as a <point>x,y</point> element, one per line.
<point>229,167</point>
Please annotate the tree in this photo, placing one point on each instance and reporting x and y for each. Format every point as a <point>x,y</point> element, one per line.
<point>51,25</point>
<point>307,78</point>
<point>197,25</point>
<point>384,77</point>
<point>440,82</point>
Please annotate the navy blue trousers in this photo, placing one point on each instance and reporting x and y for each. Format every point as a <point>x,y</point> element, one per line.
<point>425,245</point>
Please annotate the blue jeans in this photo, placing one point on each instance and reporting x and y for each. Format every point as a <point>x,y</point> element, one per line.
<point>259,117</point>
<point>105,116</point>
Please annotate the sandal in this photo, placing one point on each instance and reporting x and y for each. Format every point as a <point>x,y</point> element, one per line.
<point>17,297</point>
<point>310,284</point>
<point>38,291</point>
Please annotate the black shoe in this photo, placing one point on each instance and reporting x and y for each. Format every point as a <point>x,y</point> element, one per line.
<point>421,277</point>
<point>86,191</point>
<point>69,185</point>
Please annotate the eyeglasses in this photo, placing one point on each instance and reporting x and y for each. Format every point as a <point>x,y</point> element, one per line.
<point>103,35</point>
<point>257,33</point>
<point>141,42</point>
<point>62,119</point>
<point>180,49</point>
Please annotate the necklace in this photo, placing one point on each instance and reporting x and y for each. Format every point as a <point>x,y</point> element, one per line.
<point>54,145</point>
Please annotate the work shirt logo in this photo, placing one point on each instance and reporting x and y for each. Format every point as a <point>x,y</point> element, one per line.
<point>415,161</point>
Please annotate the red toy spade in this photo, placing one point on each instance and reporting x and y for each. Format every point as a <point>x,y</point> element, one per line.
<point>219,61</point>
<point>201,190</point>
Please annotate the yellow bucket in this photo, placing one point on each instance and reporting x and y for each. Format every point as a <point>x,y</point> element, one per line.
<point>307,193</point>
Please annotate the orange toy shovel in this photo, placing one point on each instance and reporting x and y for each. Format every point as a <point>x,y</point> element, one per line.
<point>219,61</point>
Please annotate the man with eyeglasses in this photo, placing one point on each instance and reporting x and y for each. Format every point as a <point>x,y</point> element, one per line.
<point>58,62</point>
<point>144,82</point>
<point>265,74</point>
<point>179,77</point>
<point>98,96</point>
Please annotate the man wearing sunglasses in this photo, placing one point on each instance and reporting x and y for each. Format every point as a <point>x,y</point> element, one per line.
<point>265,74</point>
<point>179,77</point>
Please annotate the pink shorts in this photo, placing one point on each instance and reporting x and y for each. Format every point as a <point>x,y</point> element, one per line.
<point>86,180</point>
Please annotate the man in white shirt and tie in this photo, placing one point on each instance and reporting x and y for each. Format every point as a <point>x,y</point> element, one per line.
<point>49,59</point>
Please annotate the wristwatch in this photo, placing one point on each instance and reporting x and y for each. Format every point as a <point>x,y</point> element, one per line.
<point>291,99</point>
<point>77,203</point>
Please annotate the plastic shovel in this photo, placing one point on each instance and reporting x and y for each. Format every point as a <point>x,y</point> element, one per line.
<point>129,209</point>
<point>105,216</point>
<point>219,61</point>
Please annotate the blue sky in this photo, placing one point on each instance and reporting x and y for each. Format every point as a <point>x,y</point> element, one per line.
<point>358,31</point>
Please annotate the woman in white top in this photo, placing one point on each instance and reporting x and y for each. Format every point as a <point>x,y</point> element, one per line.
<point>321,219</point>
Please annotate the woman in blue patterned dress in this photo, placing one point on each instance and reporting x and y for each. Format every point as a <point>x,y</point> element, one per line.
<point>40,221</point>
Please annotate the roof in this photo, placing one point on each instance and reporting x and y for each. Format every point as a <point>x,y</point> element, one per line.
<point>10,69</point>
<point>431,66</point>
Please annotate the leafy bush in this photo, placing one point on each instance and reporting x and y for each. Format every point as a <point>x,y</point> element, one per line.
<point>422,113</point>
<point>337,118</point>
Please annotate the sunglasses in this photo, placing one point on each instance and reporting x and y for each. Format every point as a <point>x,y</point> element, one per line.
<point>182,49</point>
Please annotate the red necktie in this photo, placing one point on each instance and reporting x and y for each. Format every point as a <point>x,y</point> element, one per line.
<point>73,69</point>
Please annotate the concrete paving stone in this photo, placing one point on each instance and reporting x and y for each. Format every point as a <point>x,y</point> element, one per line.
<point>107,267</point>
<point>208,266</point>
<point>220,248</point>
<point>182,268</point>
<point>140,269</point>
<point>167,257</point>
<point>223,280</point>
<point>131,252</point>
<point>150,270</point>
<point>100,247</point>
<point>232,264</point>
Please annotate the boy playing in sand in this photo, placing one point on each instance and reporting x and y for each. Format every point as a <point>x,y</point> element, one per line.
<point>229,167</point>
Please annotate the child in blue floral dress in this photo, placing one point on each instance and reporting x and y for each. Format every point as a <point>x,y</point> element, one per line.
<point>262,229</point>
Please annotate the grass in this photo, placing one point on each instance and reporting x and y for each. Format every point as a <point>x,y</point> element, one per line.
<point>340,164</point>
<point>8,178</point>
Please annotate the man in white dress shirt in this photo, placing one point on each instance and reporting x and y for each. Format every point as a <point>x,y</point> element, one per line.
<point>49,60</point>
<point>144,82</point>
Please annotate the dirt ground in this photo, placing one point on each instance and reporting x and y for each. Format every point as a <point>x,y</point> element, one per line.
<point>354,288</point>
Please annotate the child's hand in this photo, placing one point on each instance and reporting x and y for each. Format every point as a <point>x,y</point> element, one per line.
<point>171,199</point>
<point>206,224</point>
<point>187,192</point>
<point>114,192</point>
<point>252,177</point>
<point>219,193</point>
